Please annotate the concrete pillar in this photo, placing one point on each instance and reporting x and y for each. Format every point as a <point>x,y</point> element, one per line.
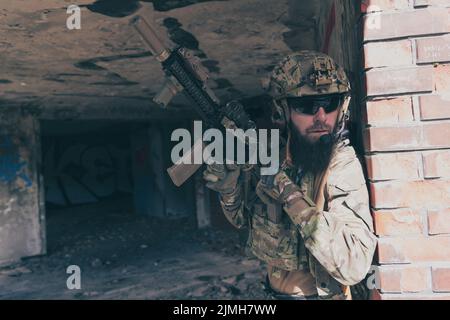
<point>22,218</point>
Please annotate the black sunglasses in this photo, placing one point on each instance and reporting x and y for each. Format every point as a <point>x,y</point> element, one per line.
<point>310,105</point>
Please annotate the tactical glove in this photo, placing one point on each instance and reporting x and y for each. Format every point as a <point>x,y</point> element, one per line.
<point>222,178</point>
<point>278,188</point>
<point>281,189</point>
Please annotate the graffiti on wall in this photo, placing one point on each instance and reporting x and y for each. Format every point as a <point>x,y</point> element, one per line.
<point>83,171</point>
<point>12,167</point>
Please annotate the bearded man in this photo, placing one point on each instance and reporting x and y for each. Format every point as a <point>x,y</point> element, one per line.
<point>311,221</point>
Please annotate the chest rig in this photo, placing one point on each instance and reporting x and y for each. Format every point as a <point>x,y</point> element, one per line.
<point>273,238</point>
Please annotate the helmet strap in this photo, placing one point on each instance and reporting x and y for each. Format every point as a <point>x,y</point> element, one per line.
<point>343,117</point>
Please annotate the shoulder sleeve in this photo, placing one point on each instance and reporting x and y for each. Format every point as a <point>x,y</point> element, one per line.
<point>341,236</point>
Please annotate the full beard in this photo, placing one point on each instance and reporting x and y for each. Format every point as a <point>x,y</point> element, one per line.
<point>311,157</point>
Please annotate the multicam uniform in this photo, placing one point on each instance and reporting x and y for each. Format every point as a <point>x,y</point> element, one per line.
<point>315,249</point>
<point>318,239</point>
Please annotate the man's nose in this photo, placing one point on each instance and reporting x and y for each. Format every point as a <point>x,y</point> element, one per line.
<point>320,115</point>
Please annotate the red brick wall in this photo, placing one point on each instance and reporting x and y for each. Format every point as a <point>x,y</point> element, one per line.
<point>407,143</point>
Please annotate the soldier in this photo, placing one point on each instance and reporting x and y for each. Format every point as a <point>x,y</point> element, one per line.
<point>311,221</point>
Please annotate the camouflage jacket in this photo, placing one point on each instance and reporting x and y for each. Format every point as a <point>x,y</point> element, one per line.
<point>336,245</point>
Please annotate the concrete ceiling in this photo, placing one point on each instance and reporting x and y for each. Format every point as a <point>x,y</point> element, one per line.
<point>41,61</point>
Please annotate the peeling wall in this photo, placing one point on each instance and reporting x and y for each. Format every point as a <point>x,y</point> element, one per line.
<point>339,35</point>
<point>21,220</point>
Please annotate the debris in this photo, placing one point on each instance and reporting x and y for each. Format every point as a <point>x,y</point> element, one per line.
<point>199,292</point>
<point>234,291</point>
<point>173,265</point>
<point>230,280</point>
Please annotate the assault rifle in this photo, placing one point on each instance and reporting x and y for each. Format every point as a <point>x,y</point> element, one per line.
<point>184,74</point>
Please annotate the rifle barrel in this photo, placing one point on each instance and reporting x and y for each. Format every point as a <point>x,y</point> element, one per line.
<point>150,37</point>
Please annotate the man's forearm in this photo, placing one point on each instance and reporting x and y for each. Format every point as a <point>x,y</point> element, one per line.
<point>233,206</point>
<point>338,239</point>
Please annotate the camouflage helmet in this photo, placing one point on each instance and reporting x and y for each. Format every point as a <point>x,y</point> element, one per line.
<point>306,73</point>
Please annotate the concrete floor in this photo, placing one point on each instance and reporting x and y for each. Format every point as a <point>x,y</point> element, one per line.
<point>123,256</point>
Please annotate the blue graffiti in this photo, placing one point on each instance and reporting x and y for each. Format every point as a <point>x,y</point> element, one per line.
<point>11,166</point>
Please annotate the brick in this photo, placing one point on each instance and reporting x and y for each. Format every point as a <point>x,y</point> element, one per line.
<point>403,280</point>
<point>395,81</point>
<point>390,166</point>
<point>394,25</point>
<point>436,49</point>
<point>413,249</point>
<point>441,279</point>
<point>436,164</point>
<point>392,139</point>
<point>436,134</point>
<point>397,222</point>
<point>442,79</point>
<point>439,221</point>
<point>430,194</point>
<point>388,54</point>
<point>389,111</point>
<point>383,5</point>
<point>442,3</point>
<point>428,135</point>
<point>414,296</point>
<point>434,107</point>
